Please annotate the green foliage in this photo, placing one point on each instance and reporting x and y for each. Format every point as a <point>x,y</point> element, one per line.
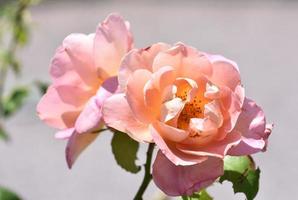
<point>14,101</point>
<point>41,86</point>
<point>202,195</point>
<point>125,151</point>
<point>3,135</point>
<point>8,59</point>
<point>241,171</point>
<point>6,194</point>
<point>14,32</point>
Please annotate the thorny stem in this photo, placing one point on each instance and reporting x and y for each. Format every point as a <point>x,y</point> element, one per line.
<point>147,176</point>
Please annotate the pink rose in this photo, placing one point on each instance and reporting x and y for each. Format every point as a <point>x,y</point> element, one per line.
<point>193,106</point>
<point>83,71</point>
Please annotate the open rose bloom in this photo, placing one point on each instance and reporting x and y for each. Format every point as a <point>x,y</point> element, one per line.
<point>193,106</point>
<point>189,103</point>
<point>83,71</point>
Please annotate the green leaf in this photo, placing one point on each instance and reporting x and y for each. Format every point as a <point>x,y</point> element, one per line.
<point>21,34</point>
<point>125,151</point>
<point>15,100</point>
<point>42,86</point>
<point>9,60</point>
<point>6,194</point>
<point>202,195</point>
<point>241,171</point>
<point>184,197</point>
<point>13,62</point>
<point>3,134</point>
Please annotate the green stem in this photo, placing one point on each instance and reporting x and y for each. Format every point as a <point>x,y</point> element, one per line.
<point>147,176</point>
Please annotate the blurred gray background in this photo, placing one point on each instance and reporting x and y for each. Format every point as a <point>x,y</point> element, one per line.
<point>261,36</point>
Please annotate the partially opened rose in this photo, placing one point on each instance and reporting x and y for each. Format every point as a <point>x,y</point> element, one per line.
<point>193,106</point>
<point>83,72</point>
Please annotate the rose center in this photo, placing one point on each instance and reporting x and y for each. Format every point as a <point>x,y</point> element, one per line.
<point>192,109</point>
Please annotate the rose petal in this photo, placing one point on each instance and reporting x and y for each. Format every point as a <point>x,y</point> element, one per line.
<point>64,134</point>
<point>185,60</point>
<point>152,97</point>
<point>138,59</point>
<point>232,103</point>
<point>212,91</point>
<point>168,93</point>
<point>76,144</point>
<point>117,114</point>
<point>90,118</point>
<point>135,96</point>
<point>154,88</point>
<point>212,111</point>
<point>185,180</point>
<point>224,72</point>
<point>164,77</point>
<point>204,127</point>
<point>112,41</point>
<point>171,109</point>
<point>73,95</point>
<point>171,57</point>
<point>73,63</point>
<point>169,148</point>
<point>55,112</point>
<point>74,79</point>
<point>171,133</point>
<point>218,149</point>
<point>252,126</point>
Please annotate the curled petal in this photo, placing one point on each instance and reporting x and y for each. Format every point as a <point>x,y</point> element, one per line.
<point>90,118</point>
<point>185,180</point>
<point>164,77</point>
<point>74,79</point>
<point>212,111</point>
<point>224,72</point>
<point>212,91</point>
<point>154,89</point>
<point>135,96</point>
<point>73,62</point>
<point>112,41</point>
<point>168,93</point>
<point>169,149</point>
<point>138,59</point>
<point>204,127</point>
<point>117,114</point>
<point>171,109</point>
<point>186,88</point>
<point>192,146</point>
<point>204,130</point>
<point>64,134</point>
<point>171,57</point>
<point>76,144</point>
<point>152,97</point>
<point>195,61</point>
<point>171,133</point>
<point>185,60</point>
<point>232,103</point>
<point>252,126</point>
